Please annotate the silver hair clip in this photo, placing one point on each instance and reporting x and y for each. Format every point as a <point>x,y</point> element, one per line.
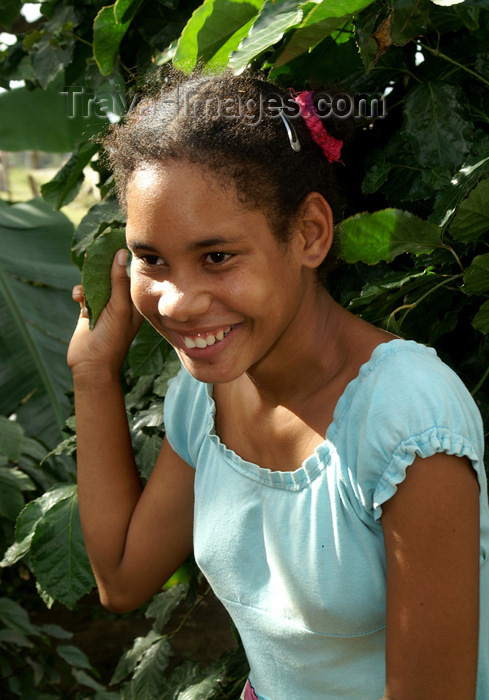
<point>294,141</point>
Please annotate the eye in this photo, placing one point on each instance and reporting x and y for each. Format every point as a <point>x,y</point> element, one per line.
<point>151,260</point>
<point>217,257</point>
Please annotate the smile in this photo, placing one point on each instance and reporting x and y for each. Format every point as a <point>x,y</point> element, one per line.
<point>204,340</point>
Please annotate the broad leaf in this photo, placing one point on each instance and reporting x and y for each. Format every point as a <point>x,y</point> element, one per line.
<point>476,277</point>
<point>146,681</point>
<point>163,605</point>
<point>96,270</point>
<point>472,218</point>
<point>58,556</point>
<point>436,124</point>
<point>214,24</point>
<point>11,439</point>
<point>323,19</point>
<point>53,129</point>
<point>131,658</point>
<point>28,519</point>
<point>11,498</point>
<point>99,217</point>
<point>481,319</point>
<point>65,185</point>
<point>385,234</point>
<point>275,18</point>
<point>109,29</point>
<point>148,352</point>
<point>37,316</point>
<point>14,617</point>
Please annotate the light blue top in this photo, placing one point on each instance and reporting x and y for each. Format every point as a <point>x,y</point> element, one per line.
<point>297,557</point>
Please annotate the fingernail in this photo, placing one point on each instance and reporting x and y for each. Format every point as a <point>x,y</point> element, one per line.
<point>121,257</point>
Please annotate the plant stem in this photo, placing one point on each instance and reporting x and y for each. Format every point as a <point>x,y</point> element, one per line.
<point>455,63</point>
<point>480,382</point>
<point>410,307</point>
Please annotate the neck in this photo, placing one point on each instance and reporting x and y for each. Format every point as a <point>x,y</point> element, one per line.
<point>306,357</point>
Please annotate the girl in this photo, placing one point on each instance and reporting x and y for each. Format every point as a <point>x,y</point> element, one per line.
<point>327,475</point>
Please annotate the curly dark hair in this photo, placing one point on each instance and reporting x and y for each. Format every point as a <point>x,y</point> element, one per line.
<point>230,125</point>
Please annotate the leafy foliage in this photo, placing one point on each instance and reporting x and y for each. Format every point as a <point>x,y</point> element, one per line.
<point>412,245</point>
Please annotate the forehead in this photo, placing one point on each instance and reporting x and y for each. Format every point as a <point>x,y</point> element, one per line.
<point>185,198</point>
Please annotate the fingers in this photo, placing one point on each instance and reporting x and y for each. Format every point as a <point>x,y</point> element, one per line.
<point>79,297</point>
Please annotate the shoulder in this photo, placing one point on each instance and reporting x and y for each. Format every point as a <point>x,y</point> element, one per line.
<point>187,414</point>
<point>405,403</point>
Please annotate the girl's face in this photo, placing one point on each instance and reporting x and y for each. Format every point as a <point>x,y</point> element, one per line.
<point>209,274</point>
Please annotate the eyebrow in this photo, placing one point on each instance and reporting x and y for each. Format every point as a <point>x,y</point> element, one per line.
<point>197,245</point>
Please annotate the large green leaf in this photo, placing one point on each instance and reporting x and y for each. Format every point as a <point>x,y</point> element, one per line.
<point>481,319</point>
<point>323,19</point>
<point>214,24</point>
<point>58,556</point>
<point>472,218</point>
<point>436,124</point>
<point>65,185</point>
<point>109,29</point>
<point>476,277</point>
<point>96,270</point>
<point>11,439</point>
<point>58,124</point>
<point>37,316</point>
<point>385,234</point>
<point>275,18</point>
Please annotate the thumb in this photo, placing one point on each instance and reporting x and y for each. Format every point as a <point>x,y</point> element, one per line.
<point>119,277</point>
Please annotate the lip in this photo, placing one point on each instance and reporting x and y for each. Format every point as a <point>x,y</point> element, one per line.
<point>177,339</point>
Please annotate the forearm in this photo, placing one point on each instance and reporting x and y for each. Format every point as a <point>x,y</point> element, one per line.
<point>108,483</point>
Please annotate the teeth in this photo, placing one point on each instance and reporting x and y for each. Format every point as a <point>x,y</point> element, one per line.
<point>201,342</point>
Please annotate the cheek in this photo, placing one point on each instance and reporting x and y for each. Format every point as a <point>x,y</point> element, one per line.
<point>141,294</point>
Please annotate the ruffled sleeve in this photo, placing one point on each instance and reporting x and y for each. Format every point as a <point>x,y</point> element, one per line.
<point>407,404</point>
<point>186,415</point>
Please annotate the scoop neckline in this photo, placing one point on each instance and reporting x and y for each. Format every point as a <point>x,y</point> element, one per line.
<point>316,462</point>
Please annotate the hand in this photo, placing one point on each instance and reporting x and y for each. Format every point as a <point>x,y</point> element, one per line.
<point>105,346</point>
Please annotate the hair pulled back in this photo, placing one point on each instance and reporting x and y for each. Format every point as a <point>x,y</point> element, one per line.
<point>231,126</point>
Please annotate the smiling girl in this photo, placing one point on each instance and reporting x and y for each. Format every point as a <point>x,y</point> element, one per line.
<point>327,475</point>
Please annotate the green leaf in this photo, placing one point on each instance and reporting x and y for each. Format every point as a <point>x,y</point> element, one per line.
<point>124,10</point>
<point>146,681</point>
<point>214,24</point>
<point>65,185</point>
<point>48,61</point>
<point>436,124</point>
<point>275,18</point>
<point>58,556</point>
<point>11,498</point>
<point>73,656</point>
<point>481,319</point>
<point>11,439</point>
<point>109,28</point>
<point>476,277</point>
<point>163,605</point>
<point>37,316</point>
<point>319,23</point>
<point>148,351</point>
<point>9,11</point>
<point>385,234</point>
<point>409,20</point>
<point>472,218</point>
<point>96,270</point>
<point>14,617</point>
<point>56,127</point>
<point>131,658</point>
<point>99,217</point>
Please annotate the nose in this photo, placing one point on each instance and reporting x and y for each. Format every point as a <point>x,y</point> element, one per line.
<point>181,302</point>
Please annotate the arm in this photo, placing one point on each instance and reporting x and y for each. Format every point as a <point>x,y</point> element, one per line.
<point>431,532</point>
<point>135,539</point>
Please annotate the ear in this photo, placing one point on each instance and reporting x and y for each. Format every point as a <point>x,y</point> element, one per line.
<point>315,229</point>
